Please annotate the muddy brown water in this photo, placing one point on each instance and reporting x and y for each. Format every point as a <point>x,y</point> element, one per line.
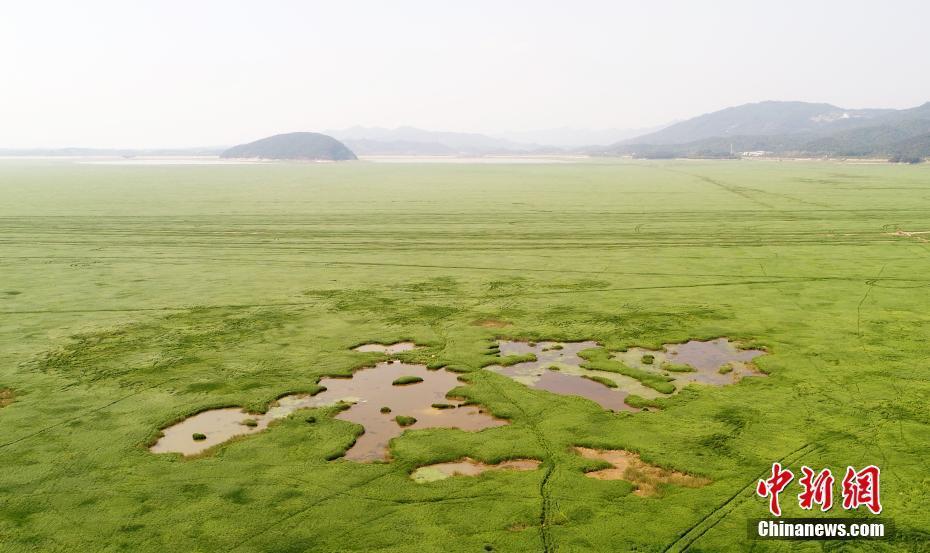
<point>389,349</point>
<point>468,467</point>
<point>218,425</point>
<point>368,390</point>
<point>565,384</point>
<point>628,466</point>
<point>372,390</point>
<point>568,380</point>
<point>705,357</point>
<point>546,352</point>
<point>710,355</point>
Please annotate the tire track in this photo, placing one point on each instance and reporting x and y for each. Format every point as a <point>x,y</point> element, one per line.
<point>302,511</point>
<point>421,296</point>
<point>742,191</point>
<point>692,534</point>
<point>737,190</point>
<point>545,535</point>
<point>84,414</point>
<point>198,259</point>
<point>871,284</point>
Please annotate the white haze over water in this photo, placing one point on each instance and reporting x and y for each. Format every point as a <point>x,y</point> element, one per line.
<point>173,74</point>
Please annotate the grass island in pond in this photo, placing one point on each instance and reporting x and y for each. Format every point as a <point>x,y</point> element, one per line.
<point>585,369</point>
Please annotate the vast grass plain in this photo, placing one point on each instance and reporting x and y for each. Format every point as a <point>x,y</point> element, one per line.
<point>134,296</point>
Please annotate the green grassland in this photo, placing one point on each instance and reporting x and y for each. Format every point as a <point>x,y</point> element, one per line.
<point>133,296</point>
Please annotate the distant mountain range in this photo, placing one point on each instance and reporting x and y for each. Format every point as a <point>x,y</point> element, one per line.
<point>413,141</point>
<point>572,138</point>
<point>790,129</point>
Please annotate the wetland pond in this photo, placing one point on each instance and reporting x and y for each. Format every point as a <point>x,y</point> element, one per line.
<point>716,362</point>
<point>569,378</point>
<point>559,369</point>
<point>393,396</point>
<point>368,391</point>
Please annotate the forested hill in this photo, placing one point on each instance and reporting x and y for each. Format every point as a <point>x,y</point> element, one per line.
<point>295,145</point>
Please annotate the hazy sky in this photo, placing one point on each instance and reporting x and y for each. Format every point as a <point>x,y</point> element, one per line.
<point>139,73</point>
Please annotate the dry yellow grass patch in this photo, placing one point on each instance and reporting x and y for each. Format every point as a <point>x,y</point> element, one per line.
<point>645,477</point>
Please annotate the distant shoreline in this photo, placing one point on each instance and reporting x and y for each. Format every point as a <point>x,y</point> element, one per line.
<point>398,159</point>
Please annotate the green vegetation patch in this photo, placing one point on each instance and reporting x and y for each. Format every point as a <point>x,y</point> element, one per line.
<point>601,380</point>
<point>677,367</point>
<point>178,344</point>
<point>599,359</point>
<point>640,402</point>
<point>514,359</point>
<point>404,420</point>
<point>406,380</point>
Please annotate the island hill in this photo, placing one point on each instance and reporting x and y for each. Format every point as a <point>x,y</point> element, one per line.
<point>308,146</point>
